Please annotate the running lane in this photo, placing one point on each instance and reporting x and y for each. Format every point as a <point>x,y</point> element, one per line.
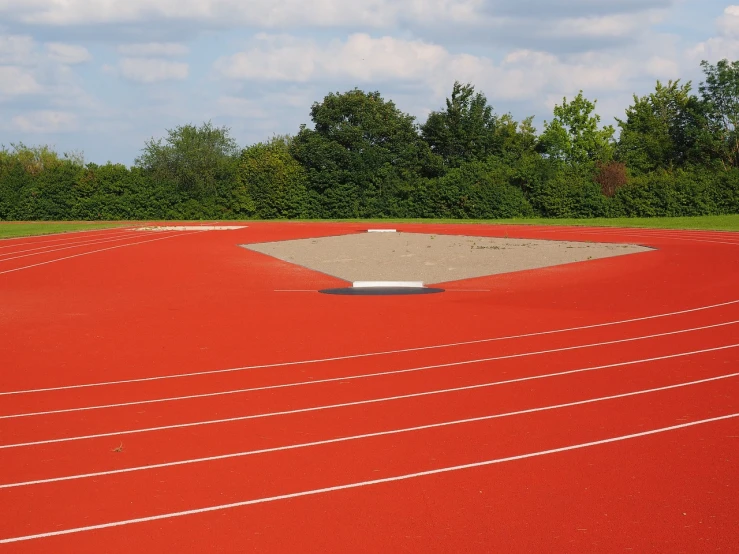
<point>199,303</point>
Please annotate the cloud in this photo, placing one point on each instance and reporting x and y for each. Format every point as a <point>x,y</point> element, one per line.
<point>364,60</point>
<point>68,54</point>
<point>153,49</point>
<point>536,15</point>
<point>16,49</point>
<point>153,70</point>
<point>726,45</point>
<point>232,106</point>
<point>45,121</point>
<point>16,81</point>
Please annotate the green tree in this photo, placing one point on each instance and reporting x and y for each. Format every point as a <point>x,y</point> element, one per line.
<point>362,154</point>
<point>659,131</point>
<point>465,130</point>
<point>720,95</point>
<point>272,180</point>
<point>574,135</point>
<point>198,160</point>
<point>468,129</point>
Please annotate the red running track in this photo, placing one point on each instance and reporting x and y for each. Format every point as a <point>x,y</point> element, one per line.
<point>163,391</point>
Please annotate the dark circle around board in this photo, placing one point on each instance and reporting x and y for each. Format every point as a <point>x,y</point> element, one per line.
<point>381,291</point>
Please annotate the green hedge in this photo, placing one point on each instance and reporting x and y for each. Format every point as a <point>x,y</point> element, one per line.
<point>271,184</point>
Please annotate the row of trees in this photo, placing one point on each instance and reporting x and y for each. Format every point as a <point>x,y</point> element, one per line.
<point>677,154</point>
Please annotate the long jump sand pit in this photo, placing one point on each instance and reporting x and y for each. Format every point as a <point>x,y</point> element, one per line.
<point>432,258</point>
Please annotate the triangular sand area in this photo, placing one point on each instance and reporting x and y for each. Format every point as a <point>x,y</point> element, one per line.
<point>432,258</point>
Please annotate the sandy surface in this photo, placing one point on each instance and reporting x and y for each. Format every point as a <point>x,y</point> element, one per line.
<point>432,258</point>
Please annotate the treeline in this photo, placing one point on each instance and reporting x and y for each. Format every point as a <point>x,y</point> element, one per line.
<point>677,154</point>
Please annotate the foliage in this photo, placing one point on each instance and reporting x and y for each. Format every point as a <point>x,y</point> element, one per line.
<point>360,155</point>
<point>574,136</point>
<point>272,184</point>
<point>611,176</point>
<point>677,155</point>
<point>661,129</point>
<point>720,94</point>
<point>195,159</point>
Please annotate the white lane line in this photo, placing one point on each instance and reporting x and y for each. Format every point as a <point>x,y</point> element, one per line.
<point>76,241</point>
<point>645,231</point>
<point>364,435</point>
<point>252,416</point>
<point>71,240</point>
<point>639,235</point>
<point>368,354</point>
<point>99,250</point>
<point>61,236</point>
<point>360,484</point>
<point>364,376</point>
<point>55,249</point>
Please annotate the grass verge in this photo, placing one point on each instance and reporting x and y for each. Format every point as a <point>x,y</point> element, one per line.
<point>707,222</point>
<point>10,229</point>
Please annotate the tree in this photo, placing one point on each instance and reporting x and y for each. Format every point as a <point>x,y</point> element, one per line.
<point>575,137</point>
<point>465,130</point>
<point>273,180</point>
<point>361,154</point>
<point>720,95</point>
<point>660,129</point>
<point>469,129</point>
<point>196,159</point>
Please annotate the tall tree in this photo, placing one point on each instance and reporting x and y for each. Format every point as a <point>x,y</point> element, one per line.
<point>272,180</point>
<point>660,129</point>
<point>465,130</point>
<point>361,153</point>
<point>720,94</point>
<point>575,137</point>
<point>196,159</point>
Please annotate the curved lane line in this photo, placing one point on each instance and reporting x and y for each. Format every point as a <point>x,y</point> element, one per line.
<point>189,233</point>
<point>365,355</point>
<point>356,377</point>
<point>362,436</point>
<point>248,417</point>
<point>360,484</point>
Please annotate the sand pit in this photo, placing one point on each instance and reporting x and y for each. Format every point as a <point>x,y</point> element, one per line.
<point>432,258</point>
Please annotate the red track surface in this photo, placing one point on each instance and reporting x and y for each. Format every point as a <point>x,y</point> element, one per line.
<point>325,423</point>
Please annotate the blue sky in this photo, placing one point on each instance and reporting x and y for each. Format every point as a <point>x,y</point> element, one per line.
<point>101,77</point>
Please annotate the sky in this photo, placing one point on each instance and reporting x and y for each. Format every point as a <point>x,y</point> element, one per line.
<point>101,77</point>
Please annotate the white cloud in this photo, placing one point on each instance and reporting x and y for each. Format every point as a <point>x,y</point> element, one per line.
<point>16,49</point>
<point>16,81</point>
<point>153,70</point>
<point>362,60</point>
<point>232,106</point>
<point>69,54</point>
<point>728,23</point>
<point>45,121</point>
<point>725,45</point>
<point>605,26</point>
<point>153,49</point>
<point>265,13</point>
<point>543,16</point>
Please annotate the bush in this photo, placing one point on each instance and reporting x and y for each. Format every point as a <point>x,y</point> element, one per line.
<point>475,190</point>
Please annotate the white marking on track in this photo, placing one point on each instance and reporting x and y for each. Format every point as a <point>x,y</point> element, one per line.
<point>360,484</point>
<point>61,236</point>
<point>364,435</point>
<point>65,243</point>
<point>362,376</point>
<point>253,416</point>
<point>173,236</point>
<point>368,354</point>
<point>55,249</point>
